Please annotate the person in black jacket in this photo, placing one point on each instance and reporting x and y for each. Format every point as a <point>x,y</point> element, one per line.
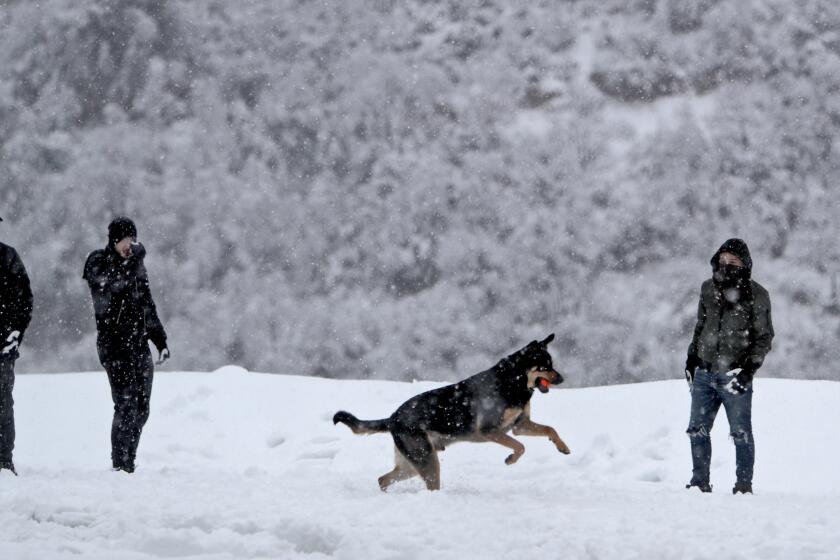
<point>15,314</point>
<point>734,333</point>
<point>126,320</point>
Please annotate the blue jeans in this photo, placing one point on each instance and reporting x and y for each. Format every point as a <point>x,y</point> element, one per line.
<point>707,394</point>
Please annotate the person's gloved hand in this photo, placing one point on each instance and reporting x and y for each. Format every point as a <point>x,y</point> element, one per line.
<point>741,379</point>
<point>163,356</point>
<point>691,365</point>
<point>12,341</point>
<point>138,253</point>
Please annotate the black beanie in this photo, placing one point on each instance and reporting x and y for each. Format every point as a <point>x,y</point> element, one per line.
<point>119,229</point>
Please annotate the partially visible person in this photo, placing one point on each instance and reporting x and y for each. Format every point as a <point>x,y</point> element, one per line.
<point>15,315</point>
<point>126,320</point>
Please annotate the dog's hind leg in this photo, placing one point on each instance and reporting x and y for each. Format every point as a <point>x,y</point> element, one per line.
<point>429,471</point>
<point>512,444</point>
<point>418,450</point>
<point>403,470</point>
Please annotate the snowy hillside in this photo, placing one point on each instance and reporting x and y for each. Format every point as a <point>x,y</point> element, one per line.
<point>242,465</point>
<point>398,190</point>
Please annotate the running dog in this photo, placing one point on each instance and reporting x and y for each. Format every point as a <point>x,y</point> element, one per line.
<point>481,408</point>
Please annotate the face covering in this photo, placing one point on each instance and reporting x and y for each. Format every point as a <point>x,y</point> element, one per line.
<point>730,276</point>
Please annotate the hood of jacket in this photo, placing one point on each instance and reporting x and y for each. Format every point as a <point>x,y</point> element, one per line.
<point>737,247</point>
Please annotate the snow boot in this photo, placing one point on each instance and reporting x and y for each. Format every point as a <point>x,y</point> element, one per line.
<point>704,487</point>
<point>128,468</point>
<point>742,488</point>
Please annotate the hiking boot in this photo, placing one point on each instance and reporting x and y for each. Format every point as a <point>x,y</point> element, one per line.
<point>8,465</point>
<point>704,487</point>
<point>742,488</point>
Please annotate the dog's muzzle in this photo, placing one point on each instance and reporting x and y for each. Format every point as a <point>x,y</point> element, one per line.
<point>551,377</point>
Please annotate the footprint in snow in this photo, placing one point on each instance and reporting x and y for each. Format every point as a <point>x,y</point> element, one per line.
<point>275,440</point>
<point>323,439</point>
<point>322,454</point>
<point>653,453</point>
<point>653,475</point>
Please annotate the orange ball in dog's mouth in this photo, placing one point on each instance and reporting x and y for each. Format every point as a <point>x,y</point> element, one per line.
<point>543,384</point>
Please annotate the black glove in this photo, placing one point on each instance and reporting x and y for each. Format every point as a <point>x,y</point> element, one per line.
<point>691,364</point>
<point>138,253</point>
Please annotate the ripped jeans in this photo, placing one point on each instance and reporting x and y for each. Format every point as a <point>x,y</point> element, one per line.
<point>707,394</point>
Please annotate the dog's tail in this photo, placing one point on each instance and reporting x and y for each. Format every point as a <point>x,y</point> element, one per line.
<point>362,426</point>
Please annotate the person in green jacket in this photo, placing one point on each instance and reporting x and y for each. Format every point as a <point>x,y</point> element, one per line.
<point>734,333</point>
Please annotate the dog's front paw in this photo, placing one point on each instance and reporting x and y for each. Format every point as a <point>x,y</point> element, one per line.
<point>563,448</point>
<point>512,458</point>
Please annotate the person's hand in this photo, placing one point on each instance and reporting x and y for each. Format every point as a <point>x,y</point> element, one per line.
<point>741,380</point>
<point>12,342</point>
<point>163,356</point>
<point>138,251</point>
<point>691,365</point>
<point>136,254</point>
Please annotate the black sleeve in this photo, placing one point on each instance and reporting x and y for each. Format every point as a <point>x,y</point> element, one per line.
<point>109,280</point>
<point>154,327</point>
<point>21,294</point>
<point>698,328</point>
<point>107,276</point>
<point>762,329</point>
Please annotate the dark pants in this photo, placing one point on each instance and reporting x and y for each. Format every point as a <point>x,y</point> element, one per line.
<point>7,413</point>
<point>707,394</point>
<point>130,373</point>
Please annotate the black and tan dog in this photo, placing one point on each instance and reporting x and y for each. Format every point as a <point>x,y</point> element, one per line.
<point>481,408</point>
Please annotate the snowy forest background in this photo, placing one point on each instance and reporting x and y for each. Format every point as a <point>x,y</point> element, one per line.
<point>413,189</point>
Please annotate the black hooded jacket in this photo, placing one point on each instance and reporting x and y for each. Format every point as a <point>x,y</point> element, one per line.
<point>734,327</point>
<point>126,315</point>
<point>15,294</point>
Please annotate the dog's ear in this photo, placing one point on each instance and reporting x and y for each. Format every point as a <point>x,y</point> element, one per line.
<point>547,340</point>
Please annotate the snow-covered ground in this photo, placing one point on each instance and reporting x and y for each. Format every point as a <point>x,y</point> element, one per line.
<point>241,465</point>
